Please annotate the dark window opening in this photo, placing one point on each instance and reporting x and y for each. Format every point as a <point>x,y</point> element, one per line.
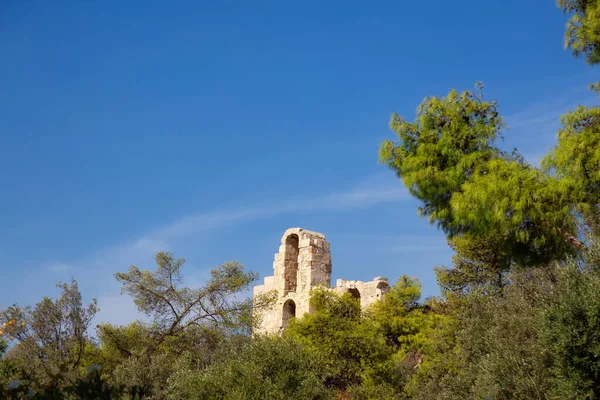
<point>289,312</point>
<point>291,263</point>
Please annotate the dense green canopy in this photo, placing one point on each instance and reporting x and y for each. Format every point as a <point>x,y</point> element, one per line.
<point>448,158</point>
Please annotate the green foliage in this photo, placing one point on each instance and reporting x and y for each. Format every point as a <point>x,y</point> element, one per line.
<point>398,314</point>
<point>521,316</point>
<point>583,29</point>
<point>52,348</point>
<point>51,338</point>
<point>120,343</point>
<point>419,333</point>
<point>449,142</point>
<point>448,159</point>
<point>538,340</point>
<point>173,308</point>
<point>264,368</point>
<point>183,321</point>
<point>379,353</point>
<point>571,332</point>
<point>8,372</point>
<point>89,387</point>
<point>576,162</point>
<point>480,265</point>
<point>350,345</point>
<point>529,209</point>
<point>130,357</point>
<point>498,353</point>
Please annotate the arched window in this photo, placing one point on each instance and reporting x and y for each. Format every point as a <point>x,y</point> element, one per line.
<point>355,293</point>
<point>291,263</point>
<point>382,287</point>
<point>289,312</point>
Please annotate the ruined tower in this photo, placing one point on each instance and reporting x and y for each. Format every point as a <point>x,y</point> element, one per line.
<point>303,263</point>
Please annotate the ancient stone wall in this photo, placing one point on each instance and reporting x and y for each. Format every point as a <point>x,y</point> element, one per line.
<point>303,263</point>
<point>366,292</point>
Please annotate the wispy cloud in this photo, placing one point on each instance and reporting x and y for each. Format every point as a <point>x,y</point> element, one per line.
<point>547,112</point>
<point>373,190</point>
<point>419,248</point>
<point>369,193</point>
<point>59,267</point>
<point>398,244</point>
<point>533,130</point>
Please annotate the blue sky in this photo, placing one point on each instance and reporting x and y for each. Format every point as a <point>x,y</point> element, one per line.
<point>209,128</point>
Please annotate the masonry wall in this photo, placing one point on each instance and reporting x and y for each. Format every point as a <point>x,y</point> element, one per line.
<point>367,292</point>
<point>302,263</point>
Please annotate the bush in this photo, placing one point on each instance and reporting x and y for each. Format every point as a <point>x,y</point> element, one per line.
<point>264,368</point>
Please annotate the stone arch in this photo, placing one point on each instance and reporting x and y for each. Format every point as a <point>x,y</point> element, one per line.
<point>382,288</point>
<point>289,312</point>
<point>355,293</point>
<point>291,263</point>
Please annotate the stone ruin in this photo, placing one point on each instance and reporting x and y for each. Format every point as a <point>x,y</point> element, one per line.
<point>303,263</point>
